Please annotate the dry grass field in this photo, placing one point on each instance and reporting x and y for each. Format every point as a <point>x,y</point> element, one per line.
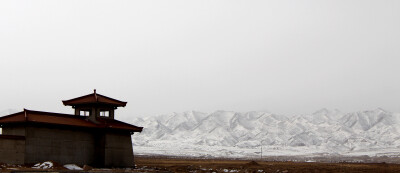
<point>152,164</point>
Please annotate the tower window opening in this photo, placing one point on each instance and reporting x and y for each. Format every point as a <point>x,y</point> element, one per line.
<point>84,113</point>
<point>104,113</point>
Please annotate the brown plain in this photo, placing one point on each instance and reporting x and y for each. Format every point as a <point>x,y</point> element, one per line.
<point>164,164</point>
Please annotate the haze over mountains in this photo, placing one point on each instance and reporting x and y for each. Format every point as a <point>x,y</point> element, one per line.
<point>325,131</point>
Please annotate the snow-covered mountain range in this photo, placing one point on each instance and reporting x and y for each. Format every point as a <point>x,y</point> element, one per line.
<point>242,134</point>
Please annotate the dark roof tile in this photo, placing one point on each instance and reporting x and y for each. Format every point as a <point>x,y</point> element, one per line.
<point>94,98</point>
<point>66,119</point>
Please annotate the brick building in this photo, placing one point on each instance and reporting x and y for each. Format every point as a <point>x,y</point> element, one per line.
<point>90,136</point>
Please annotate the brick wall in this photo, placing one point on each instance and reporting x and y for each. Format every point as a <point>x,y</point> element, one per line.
<point>12,149</point>
<point>118,150</point>
<point>66,145</point>
<point>60,145</point>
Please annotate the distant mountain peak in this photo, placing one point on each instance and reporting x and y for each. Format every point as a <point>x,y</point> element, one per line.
<point>326,111</point>
<point>322,111</point>
<point>380,110</point>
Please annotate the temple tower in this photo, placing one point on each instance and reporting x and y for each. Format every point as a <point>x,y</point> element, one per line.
<point>94,105</point>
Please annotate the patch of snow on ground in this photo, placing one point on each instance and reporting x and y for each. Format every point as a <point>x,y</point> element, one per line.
<point>44,165</point>
<point>72,167</point>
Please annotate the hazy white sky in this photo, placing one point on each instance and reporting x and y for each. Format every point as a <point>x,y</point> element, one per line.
<point>287,57</point>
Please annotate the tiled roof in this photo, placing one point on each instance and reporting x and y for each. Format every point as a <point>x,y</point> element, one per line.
<point>94,98</point>
<point>66,119</point>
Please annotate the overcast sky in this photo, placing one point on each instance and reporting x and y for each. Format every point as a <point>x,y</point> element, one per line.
<point>285,57</point>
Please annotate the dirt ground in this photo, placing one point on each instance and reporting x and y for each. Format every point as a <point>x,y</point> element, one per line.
<point>207,165</point>
<point>156,164</point>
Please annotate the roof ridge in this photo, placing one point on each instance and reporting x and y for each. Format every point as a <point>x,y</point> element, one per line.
<point>54,114</point>
<point>110,98</point>
<point>96,98</point>
<point>77,98</point>
<point>10,115</point>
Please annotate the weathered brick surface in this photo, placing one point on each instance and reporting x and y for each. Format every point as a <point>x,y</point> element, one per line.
<point>16,130</point>
<point>118,150</point>
<point>67,145</point>
<point>59,145</point>
<point>12,151</point>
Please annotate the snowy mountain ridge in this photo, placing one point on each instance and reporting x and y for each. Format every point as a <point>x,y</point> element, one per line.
<point>329,131</point>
